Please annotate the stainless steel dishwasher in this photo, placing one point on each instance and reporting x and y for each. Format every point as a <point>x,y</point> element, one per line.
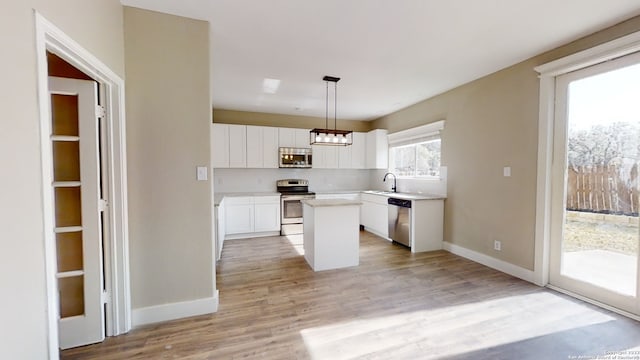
<point>400,220</point>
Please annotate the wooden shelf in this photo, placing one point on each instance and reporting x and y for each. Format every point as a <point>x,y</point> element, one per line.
<point>64,138</point>
<point>67,229</point>
<point>68,274</point>
<point>57,184</point>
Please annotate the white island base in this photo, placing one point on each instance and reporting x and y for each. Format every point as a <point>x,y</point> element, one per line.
<point>331,233</point>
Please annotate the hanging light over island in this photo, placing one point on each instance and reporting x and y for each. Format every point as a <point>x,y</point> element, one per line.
<point>333,136</point>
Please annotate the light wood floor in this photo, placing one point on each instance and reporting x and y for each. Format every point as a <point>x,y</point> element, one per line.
<point>395,305</point>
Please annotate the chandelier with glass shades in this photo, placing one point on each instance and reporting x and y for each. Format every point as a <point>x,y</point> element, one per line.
<point>331,136</point>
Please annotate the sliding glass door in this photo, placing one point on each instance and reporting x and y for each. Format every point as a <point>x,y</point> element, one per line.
<point>595,236</point>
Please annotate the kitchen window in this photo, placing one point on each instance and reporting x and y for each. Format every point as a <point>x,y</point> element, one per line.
<point>416,152</point>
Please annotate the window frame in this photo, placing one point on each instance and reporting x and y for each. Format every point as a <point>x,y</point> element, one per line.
<point>414,137</point>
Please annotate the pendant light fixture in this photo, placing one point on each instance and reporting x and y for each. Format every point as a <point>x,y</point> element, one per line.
<point>333,136</point>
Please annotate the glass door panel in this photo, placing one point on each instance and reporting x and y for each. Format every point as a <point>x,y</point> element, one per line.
<point>595,232</point>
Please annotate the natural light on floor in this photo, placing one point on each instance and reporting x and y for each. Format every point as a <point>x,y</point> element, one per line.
<point>451,330</point>
<point>296,243</point>
<point>607,269</point>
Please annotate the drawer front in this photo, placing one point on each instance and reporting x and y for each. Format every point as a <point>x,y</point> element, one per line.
<point>275,199</point>
<point>347,196</point>
<point>238,200</point>
<point>378,199</point>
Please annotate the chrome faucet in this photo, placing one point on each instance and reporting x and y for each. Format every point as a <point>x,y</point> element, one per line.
<point>393,187</point>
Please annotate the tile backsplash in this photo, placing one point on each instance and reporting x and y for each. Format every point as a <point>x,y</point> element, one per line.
<point>321,180</point>
<point>419,186</point>
<point>264,180</point>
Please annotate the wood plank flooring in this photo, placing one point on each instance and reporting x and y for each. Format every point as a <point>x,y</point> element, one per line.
<point>394,305</point>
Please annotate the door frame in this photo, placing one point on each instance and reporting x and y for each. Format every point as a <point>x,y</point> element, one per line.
<point>116,242</point>
<point>548,72</point>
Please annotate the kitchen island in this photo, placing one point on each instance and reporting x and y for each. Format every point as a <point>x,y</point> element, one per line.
<point>331,233</point>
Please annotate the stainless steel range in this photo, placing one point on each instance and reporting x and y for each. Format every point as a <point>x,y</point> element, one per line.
<point>292,192</point>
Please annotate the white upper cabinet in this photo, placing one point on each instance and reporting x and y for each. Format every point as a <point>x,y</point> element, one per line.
<point>270,147</point>
<point>302,138</point>
<point>341,157</point>
<point>325,157</point>
<point>237,146</point>
<point>287,137</point>
<point>296,138</point>
<point>220,145</point>
<point>344,156</point>
<point>358,150</point>
<point>377,153</point>
<point>262,147</point>
<point>254,147</point>
<point>353,156</point>
<point>245,146</point>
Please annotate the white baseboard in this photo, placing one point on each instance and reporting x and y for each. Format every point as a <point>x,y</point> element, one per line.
<point>491,262</point>
<point>595,302</point>
<point>173,311</point>
<point>374,232</point>
<point>251,235</point>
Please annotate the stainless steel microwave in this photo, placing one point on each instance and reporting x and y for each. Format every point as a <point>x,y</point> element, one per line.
<point>295,157</point>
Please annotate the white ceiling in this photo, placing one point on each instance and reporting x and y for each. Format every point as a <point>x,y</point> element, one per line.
<point>389,53</point>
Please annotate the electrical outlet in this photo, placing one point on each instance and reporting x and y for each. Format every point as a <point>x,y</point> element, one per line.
<point>497,245</point>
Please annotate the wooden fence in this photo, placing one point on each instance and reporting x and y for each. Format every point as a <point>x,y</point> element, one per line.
<point>604,189</point>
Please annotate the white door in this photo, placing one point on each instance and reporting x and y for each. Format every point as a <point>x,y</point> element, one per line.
<point>596,159</point>
<point>76,194</point>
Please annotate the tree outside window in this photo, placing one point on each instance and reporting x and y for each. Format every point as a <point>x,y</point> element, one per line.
<point>416,160</point>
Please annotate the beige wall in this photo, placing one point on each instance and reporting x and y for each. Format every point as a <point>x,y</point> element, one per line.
<point>168,121</point>
<point>492,123</point>
<point>22,275</point>
<point>279,120</point>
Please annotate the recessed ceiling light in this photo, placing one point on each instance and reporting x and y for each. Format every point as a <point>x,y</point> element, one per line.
<point>270,86</point>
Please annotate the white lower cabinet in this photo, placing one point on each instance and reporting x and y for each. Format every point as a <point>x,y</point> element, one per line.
<point>267,214</point>
<point>239,215</point>
<point>374,214</point>
<point>251,215</point>
<point>220,228</point>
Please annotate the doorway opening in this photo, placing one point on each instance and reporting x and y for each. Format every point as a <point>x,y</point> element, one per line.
<point>587,184</point>
<point>55,46</point>
<point>594,215</point>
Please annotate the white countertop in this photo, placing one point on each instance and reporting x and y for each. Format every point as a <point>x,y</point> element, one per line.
<point>338,192</point>
<point>400,195</point>
<point>330,202</point>
<point>405,196</point>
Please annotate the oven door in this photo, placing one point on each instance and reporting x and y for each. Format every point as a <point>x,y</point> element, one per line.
<point>291,208</point>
